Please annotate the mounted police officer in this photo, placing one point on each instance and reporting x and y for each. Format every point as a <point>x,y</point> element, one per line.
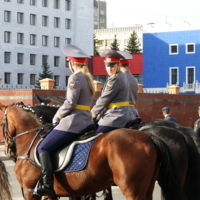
<point>113,104</point>
<point>72,117</point>
<point>133,83</point>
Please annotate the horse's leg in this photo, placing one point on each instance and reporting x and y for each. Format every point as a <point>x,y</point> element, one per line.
<point>29,195</point>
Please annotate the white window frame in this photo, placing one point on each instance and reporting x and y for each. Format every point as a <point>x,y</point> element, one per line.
<point>56,41</point>
<point>56,22</point>
<point>7,77</point>
<point>67,23</point>
<point>170,53</point>
<point>32,57</point>
<point>68,41</point>
<point>44,40</point>
<point>33,2</point>
<point>20,77</point>
<point>45,20</point>
<point>186,48</point>
<point>68,5</point>
<point>20,58</point>
<point>188,67</point>
<point>170,75</point>
<point>20,38</point>
<point>57,4</point>
<point>7,57</point>
<point>7,36</point>
<point>45,3</point>
<point>32,39</point>
<point>32,19</point>
<point>56,61</point>
<point>32,79</point>
<point>20,18</point>
<point>7,16</point>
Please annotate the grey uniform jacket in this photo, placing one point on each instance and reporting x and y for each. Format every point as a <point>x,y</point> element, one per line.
<point>133,91</point>
<point>78,92</point>
<point>116,89</point>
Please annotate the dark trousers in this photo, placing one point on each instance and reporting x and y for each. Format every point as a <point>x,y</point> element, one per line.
<point>54,140</point>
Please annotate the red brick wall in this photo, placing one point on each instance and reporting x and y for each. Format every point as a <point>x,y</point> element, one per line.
<point>183,107</point>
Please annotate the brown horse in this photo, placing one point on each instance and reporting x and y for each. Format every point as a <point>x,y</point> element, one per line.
<point>128,158</point>
<point>4,183</point>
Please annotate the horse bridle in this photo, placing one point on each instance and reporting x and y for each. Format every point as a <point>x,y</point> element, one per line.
<point>10,140</point>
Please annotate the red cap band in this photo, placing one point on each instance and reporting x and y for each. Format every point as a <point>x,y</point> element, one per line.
<point>110,60</point>
<point>123,62</point>
<point>80,60</point>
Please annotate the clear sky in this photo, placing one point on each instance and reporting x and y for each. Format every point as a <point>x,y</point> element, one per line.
<point>123,13</point>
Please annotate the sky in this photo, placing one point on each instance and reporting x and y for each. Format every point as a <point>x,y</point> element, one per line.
<point>131,12</point>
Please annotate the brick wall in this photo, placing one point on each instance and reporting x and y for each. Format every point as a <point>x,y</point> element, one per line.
<point>183,107</point>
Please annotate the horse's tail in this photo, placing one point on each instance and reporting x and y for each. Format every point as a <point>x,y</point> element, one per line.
<point>193,173</point>
<point>168,174</point>
<point>4,183</point>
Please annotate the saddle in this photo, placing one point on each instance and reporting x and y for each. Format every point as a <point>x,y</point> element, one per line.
<point>62,156</point>
<point>134,124</point>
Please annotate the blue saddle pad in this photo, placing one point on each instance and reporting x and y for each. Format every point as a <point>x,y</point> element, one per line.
<point>79,157</point>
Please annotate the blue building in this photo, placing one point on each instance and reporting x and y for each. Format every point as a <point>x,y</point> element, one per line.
<point>171,58</point>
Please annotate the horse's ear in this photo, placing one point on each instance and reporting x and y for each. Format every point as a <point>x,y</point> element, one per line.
<point>2,107</point>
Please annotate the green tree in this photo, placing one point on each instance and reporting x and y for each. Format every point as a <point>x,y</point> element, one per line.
<point>95,46</point>
<point>133,44</point>
<point>46,73</point>
<point>114,45</point>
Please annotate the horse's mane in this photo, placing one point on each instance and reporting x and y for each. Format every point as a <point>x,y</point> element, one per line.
<point>44,113</point>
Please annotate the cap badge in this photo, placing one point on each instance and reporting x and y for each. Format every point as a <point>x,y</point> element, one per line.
<point>107,52</point>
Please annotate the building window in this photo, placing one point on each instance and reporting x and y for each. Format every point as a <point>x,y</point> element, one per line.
<point>44,59</point>
<point>20,38</point>
<point>20,18</point>
<point>7,16</point>
<point>7,78</point>
<point>139,78</point>
<point>56,61</point>
<point>102,20</point>
<point>174,76</point>
<point>7,0</point>
<point>190,75</point>
<point>67,23</point>
<point>67,5</point>
<point>20,1</point>
<point>33,2</point>
<point>32,59</point>
<point>20,78</point>
<point>56,22</point>
<point>32,79</point>
<point>44,3</point>
<point>56,78</point>
<point>67,41</point>
<point>56,4</point>
<point>32,39</point>
<point>32,19</point>
<point>20,58</point>
<point>7,57</point>
<point>190,48</point>
<point>66,80</point>
<point>173,49</point>
<point>56,41</point>
<point>44,20</point>
<point>44,40</point>
<point>7,36</point>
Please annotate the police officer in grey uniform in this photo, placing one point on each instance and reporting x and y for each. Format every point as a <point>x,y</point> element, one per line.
<point>133,83</point>
<point>167,114</point>
<point>73,116</point>
<point>113,104</point>
<point>197,123</point>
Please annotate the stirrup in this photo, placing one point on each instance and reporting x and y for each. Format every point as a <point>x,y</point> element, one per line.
<point>34,191</point>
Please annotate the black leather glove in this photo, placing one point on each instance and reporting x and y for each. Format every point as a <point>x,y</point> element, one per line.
<point>94,120</point>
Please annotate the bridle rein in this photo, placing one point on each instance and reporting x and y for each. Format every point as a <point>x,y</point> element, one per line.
<point>10,140</point>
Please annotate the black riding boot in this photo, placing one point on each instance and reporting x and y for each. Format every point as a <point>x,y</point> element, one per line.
<point>47,176</point>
